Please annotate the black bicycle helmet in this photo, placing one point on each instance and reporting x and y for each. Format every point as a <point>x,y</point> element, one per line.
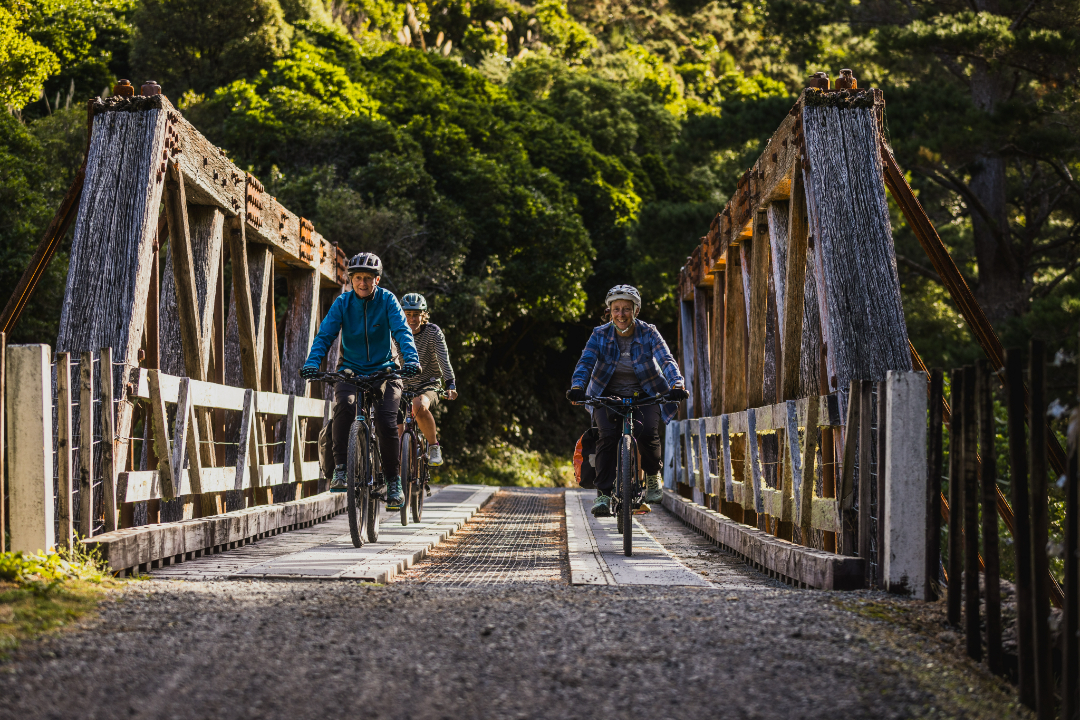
<point>365,262</point>
<point>414,301</point>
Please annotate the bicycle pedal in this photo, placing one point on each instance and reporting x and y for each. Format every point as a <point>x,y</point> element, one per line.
<point>642,509</point>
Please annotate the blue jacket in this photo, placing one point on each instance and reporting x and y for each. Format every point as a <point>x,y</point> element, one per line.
<point>366,326</point>
<point>654,366</point>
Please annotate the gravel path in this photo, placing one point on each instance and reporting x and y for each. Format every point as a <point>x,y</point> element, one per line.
<point>263,649</point>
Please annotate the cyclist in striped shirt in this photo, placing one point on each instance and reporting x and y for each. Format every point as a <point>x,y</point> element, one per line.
<point>434,363</point>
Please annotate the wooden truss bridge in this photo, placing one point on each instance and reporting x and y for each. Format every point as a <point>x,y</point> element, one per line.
<point>163,407</point>
<point>793,341</point>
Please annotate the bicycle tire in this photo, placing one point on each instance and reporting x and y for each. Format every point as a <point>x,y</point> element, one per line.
<point>406,474</point>
<point>418,491</point>
<point>626,488</point>
<point>373,509</point>
<point>356,497</point>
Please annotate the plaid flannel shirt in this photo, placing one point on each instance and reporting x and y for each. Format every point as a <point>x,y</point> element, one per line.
<point>654,366</point>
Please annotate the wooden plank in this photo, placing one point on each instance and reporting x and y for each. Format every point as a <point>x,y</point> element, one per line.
<point>300,325</point>
<point>725,440</point>
<point>759,286</point>
<point>108,438</point>
<point>292,470</point>
<point>86,444</point>
<point>242,313</point>
<point>247,456</point>
<point>734,340</point>
<point>183,265</point>
<point>865,430</point>
<point>753,460</point>
<point>716,351</point>
<point>702,366</point>
<point>65,521</point>
<point>846,495</point>
<point>686,327</point>
<point>794,295</point>
<point>186,440</point>
<point>160,423</point>
<point>811,440</point>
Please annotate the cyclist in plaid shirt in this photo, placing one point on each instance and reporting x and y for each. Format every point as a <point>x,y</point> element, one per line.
<point>626,358</point>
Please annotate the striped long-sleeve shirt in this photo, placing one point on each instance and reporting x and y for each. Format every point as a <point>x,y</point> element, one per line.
<point>434,357</point>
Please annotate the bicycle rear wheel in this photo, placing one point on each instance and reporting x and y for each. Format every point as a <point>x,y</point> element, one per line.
<point>356,485</point>
<point>626,489</point>
<point>374,504</point>
<point>407,468</point>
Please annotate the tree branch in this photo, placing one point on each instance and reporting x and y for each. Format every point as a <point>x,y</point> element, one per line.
<point>942,176</point>
<point>1022,16</point>
<point>919,269</point>
<point>1044,290</point>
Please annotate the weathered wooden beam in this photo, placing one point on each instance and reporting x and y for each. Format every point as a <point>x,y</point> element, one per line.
<point>108,438</point>
<point>65,520</point>
<point>734,338</point>
<point>244,348</point>
<point>86,444</point>
<point>759,286</point>
<point>794,294</point>
<point>716,352</point>
<point>183,266</point>
<point>701,352</point>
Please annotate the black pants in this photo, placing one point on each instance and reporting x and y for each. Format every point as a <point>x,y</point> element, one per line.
<point>388,396</point>
<point>647,433</point>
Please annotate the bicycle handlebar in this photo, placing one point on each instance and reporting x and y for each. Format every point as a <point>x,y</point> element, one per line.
<point>417,391</point>
<point>615,402</point>
<point>336,377</point>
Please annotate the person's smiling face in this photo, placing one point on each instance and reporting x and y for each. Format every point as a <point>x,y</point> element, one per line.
<point>414,318</point>
<point>622,314</point>
<point>363,284</point>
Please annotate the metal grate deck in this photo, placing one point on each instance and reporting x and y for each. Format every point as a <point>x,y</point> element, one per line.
<point>519,537</point>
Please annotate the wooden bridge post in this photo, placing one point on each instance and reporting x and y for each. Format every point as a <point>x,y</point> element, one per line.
<point>970,511</point>
<point>1040,522</point>
<point>956,496</point>
<point>988,468</point>
<point>865,400</point>
<point>66,527</point>
<point>686,326</point>
<point>28,400</point>
<point>933,486</point>
<point>87,471</point>
<point>1021,502</point>
<point>905,478</point>
<point>108,438</point>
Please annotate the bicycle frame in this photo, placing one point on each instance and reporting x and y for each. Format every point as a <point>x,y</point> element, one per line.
<point>624,407</point>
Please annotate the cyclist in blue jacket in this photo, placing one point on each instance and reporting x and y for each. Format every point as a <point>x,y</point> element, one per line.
<point>367,316</point>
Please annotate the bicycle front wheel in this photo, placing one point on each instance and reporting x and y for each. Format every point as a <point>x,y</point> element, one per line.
<point>626,489</point>
<point>407,469</point>
<point>356,487</point>
<point>421,487</point>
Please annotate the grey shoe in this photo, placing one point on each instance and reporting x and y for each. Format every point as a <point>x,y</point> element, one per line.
<point>601,507</point>
<point>394,498</point>
<point>337,483</point>
<point>653,491</point>
<point>434,455</point>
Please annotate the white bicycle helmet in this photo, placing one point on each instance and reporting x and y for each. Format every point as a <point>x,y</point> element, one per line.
<point>365,262</point>
<point>624,292</point>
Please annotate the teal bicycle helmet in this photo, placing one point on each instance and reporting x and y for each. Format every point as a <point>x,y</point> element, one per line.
<point>414,301</point>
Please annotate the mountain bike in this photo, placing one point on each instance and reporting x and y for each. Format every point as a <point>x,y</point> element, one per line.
<point>366,487</point>
<point>629,491</point>
<point>415,473</point>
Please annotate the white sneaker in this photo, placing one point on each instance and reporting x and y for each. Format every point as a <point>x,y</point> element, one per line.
<point>434,455</point>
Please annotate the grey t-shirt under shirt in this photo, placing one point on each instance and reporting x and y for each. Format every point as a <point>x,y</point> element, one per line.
<point>624,382</point>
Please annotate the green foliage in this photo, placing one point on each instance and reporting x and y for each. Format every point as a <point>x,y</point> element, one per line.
<point>509,465</point>
<point>44,572</point>
<point>24,63</point>
<point>202,44</point>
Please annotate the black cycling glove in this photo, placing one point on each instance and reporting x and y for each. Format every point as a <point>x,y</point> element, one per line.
<point>676,394</point>
<point>576,395</point>
<point>309,372</point>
